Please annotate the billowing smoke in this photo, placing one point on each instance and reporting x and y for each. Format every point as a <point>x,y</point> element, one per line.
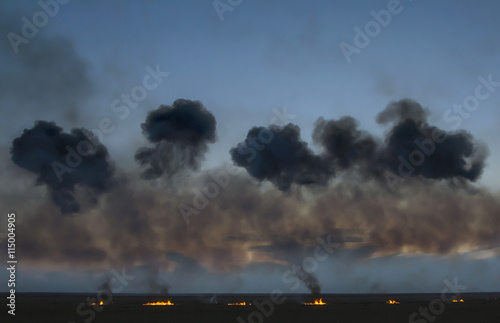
<point>411,148</point>
<point>403,110</point>
<point>181,134</point>
<point>62,161</point>
<point>136,225</point>
<point>344,144</point>
<point>279,155</point>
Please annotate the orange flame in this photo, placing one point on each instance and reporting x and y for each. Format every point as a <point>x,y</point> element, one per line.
<point>458,301</point>
<point>392,302</point>
<point>316,302</point>
<point>240,304</point>
<point>100,303</point>
<point>160,303</point>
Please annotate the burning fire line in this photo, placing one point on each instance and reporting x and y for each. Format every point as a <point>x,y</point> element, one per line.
<point>240,304</point>
<point>458,301</point>
<point>392,302</point>
<point>159,303</point>
<point>316,302</point>
<point>100,303</point>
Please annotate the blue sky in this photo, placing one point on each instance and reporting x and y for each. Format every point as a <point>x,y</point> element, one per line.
<point>270,55</point>
<point>263,55</point>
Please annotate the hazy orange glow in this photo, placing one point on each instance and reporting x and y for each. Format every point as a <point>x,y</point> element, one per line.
<point>316,302</point>
<point>392,302</point>
<point>458,301</point>
<point>160,303</point>
<point>241,304</point>
<point>100,303</point>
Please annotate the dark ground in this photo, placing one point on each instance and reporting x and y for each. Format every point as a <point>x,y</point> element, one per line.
<point>40,307</point>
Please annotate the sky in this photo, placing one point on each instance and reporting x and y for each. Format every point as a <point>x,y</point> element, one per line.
<point>245,146</point>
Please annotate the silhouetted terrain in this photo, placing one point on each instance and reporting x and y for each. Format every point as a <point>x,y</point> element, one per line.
<point>41,307</point>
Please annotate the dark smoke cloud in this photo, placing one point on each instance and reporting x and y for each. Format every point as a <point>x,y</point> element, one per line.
<point>424,216</point>
<point>445,154</point>
<point>411,148</point>
<point>343,142</point>
<point>403,110</point>
<point>181,134</point>
<point>136,225</point>
<point>279,155</point>
<point>427,221</point>
<point>62,161</point>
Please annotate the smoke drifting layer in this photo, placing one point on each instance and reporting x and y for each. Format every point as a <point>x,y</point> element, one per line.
<point>280,156</point>
<point>61,161</point>
<point>181,133</point>
<point>246,225</point>
<point>411,148</point>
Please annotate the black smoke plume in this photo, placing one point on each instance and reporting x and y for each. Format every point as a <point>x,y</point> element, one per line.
<point>105,287</point>
<point>344,144</point>
<point>403,110</point>
<point>279,155</point>
<point>62,161</point>
<point>181,134</point>
<point>411,148</point>
<point>430,151</point>
<point>311,283</point>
